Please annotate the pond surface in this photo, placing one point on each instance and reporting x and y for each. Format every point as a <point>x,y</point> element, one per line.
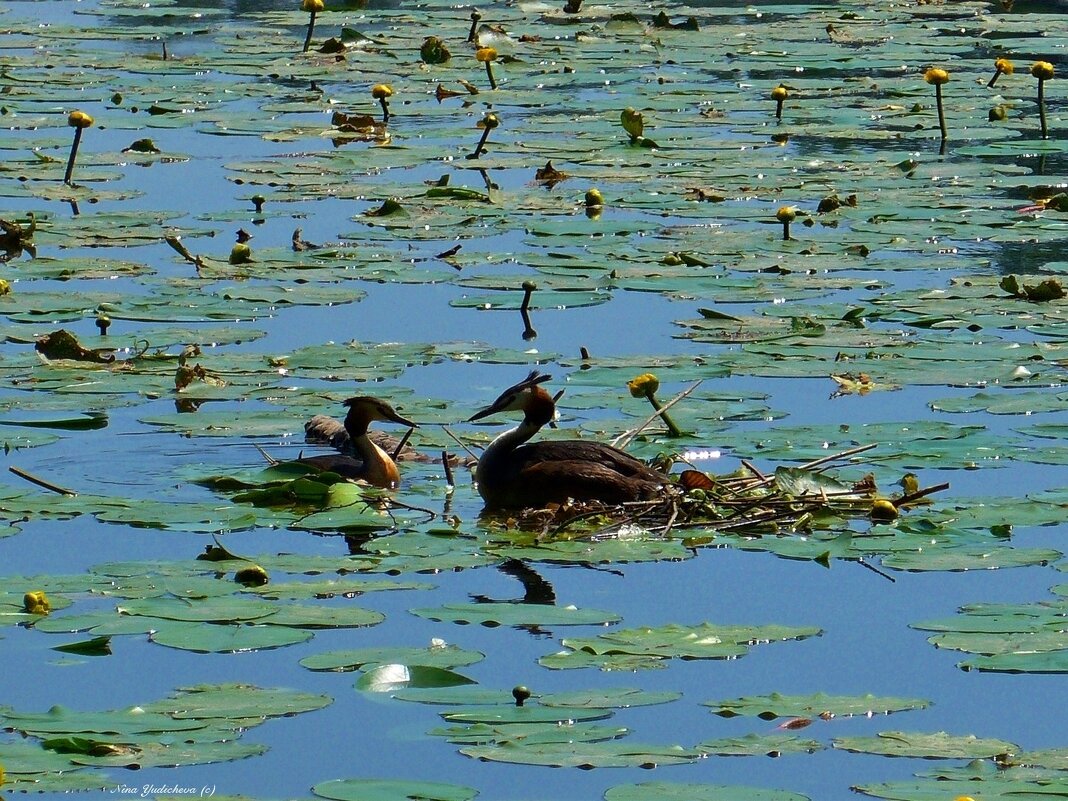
<point>895,289</point>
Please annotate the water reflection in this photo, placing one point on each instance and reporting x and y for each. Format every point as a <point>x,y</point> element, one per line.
<point>1027,257</point>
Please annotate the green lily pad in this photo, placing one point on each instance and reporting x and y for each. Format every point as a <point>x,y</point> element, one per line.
<point>390,790</point>
<point>615,698</point>
<point>224,608</point>
<point>528,733</point>
<point>774,705</point>
<point>987,789</point>
<point>584,755</point>
<point>226,701</point>
<point>507,614</point>
<point>926,746</point>
<point>441,656</point>
<point>1017,662</point>
<point>671,791</point>
<point>703,641</point>
<point>773,745</point>
<point>387,678</point>
<point>225,639</point>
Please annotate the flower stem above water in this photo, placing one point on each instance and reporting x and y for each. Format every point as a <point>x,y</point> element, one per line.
<point>938,77</point>
<point>79,121</point>
<point>313,7</point>
<point>1042,70</point>
<point>645,386</point>
<point>487,55</point>
<point>1002,66</point>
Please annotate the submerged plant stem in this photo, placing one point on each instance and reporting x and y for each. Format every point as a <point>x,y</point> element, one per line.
<point>481,144</point>
<point>673,429</point>
<point>941,111</point>
<point>1042,108</point>
<point>40,482</point>
<point>78,140</point>
<point>311,30</point>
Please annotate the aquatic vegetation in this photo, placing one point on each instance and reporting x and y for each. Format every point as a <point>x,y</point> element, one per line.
<point>1002,66</point>
<point>918,307</point>
<point>1043,71</point>
<point>313,8</point>
<point>79,121</point>
<point>938,77</point>
<point>779,95</point>
<point>487,55</point>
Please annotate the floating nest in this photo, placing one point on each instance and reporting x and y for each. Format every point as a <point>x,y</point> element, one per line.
<point>790,500</point>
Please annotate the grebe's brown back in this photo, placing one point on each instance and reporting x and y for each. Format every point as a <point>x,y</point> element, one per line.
<point>373,464</point>
<point>514,473</point>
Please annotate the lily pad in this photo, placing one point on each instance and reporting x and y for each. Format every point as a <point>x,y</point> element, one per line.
<point>507,614</point>
<point>926,746</point>
<point>769,707</point>
<point>441,656</point>
<point>671,791</point>
<point>390,790</point>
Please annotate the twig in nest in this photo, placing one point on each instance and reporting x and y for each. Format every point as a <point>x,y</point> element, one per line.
<point>671,517</point>
<point>607,510</point>
<point>40,482</point>
<point>817,462</point>
<point>915,496</point>
<point>753,469</point>
<point>625,439</point>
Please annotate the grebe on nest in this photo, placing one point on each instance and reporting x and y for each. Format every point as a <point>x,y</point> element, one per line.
<point>373,464</point>
<point>514,474</point>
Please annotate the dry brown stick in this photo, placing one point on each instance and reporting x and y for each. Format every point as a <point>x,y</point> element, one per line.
<point>823,460</point>
<point>671,518</point>
<point>649,505</point>
<point>40,482</point>
<point>835,456</point>
<point>625,439</point>
<point>459,442</point>
<point>752,469</point>
<point>915,496</point>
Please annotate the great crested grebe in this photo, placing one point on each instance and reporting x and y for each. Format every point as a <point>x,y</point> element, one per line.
<point>373,464</point>
<point>511,474</point>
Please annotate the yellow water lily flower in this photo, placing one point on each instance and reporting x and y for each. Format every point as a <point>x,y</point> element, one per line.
<point>643,385</point>
<point>1042,70</point>
<point>487,55</point>
<point>79,119</point>
<point>36,603</point>
<point>936,76</point>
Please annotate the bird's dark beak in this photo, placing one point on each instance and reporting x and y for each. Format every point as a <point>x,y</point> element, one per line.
<point>499,405</point>
<point>397,418</point>
<point>484,413</point>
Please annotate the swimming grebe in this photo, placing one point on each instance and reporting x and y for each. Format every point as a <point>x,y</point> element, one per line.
<point>511,474</point>
<point>374,465</point>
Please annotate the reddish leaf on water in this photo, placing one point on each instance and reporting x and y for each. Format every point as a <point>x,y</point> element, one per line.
<point>796,723</point>
<point>695,479</point>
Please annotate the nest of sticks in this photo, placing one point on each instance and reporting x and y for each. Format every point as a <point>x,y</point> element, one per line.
<point>748,502</point>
